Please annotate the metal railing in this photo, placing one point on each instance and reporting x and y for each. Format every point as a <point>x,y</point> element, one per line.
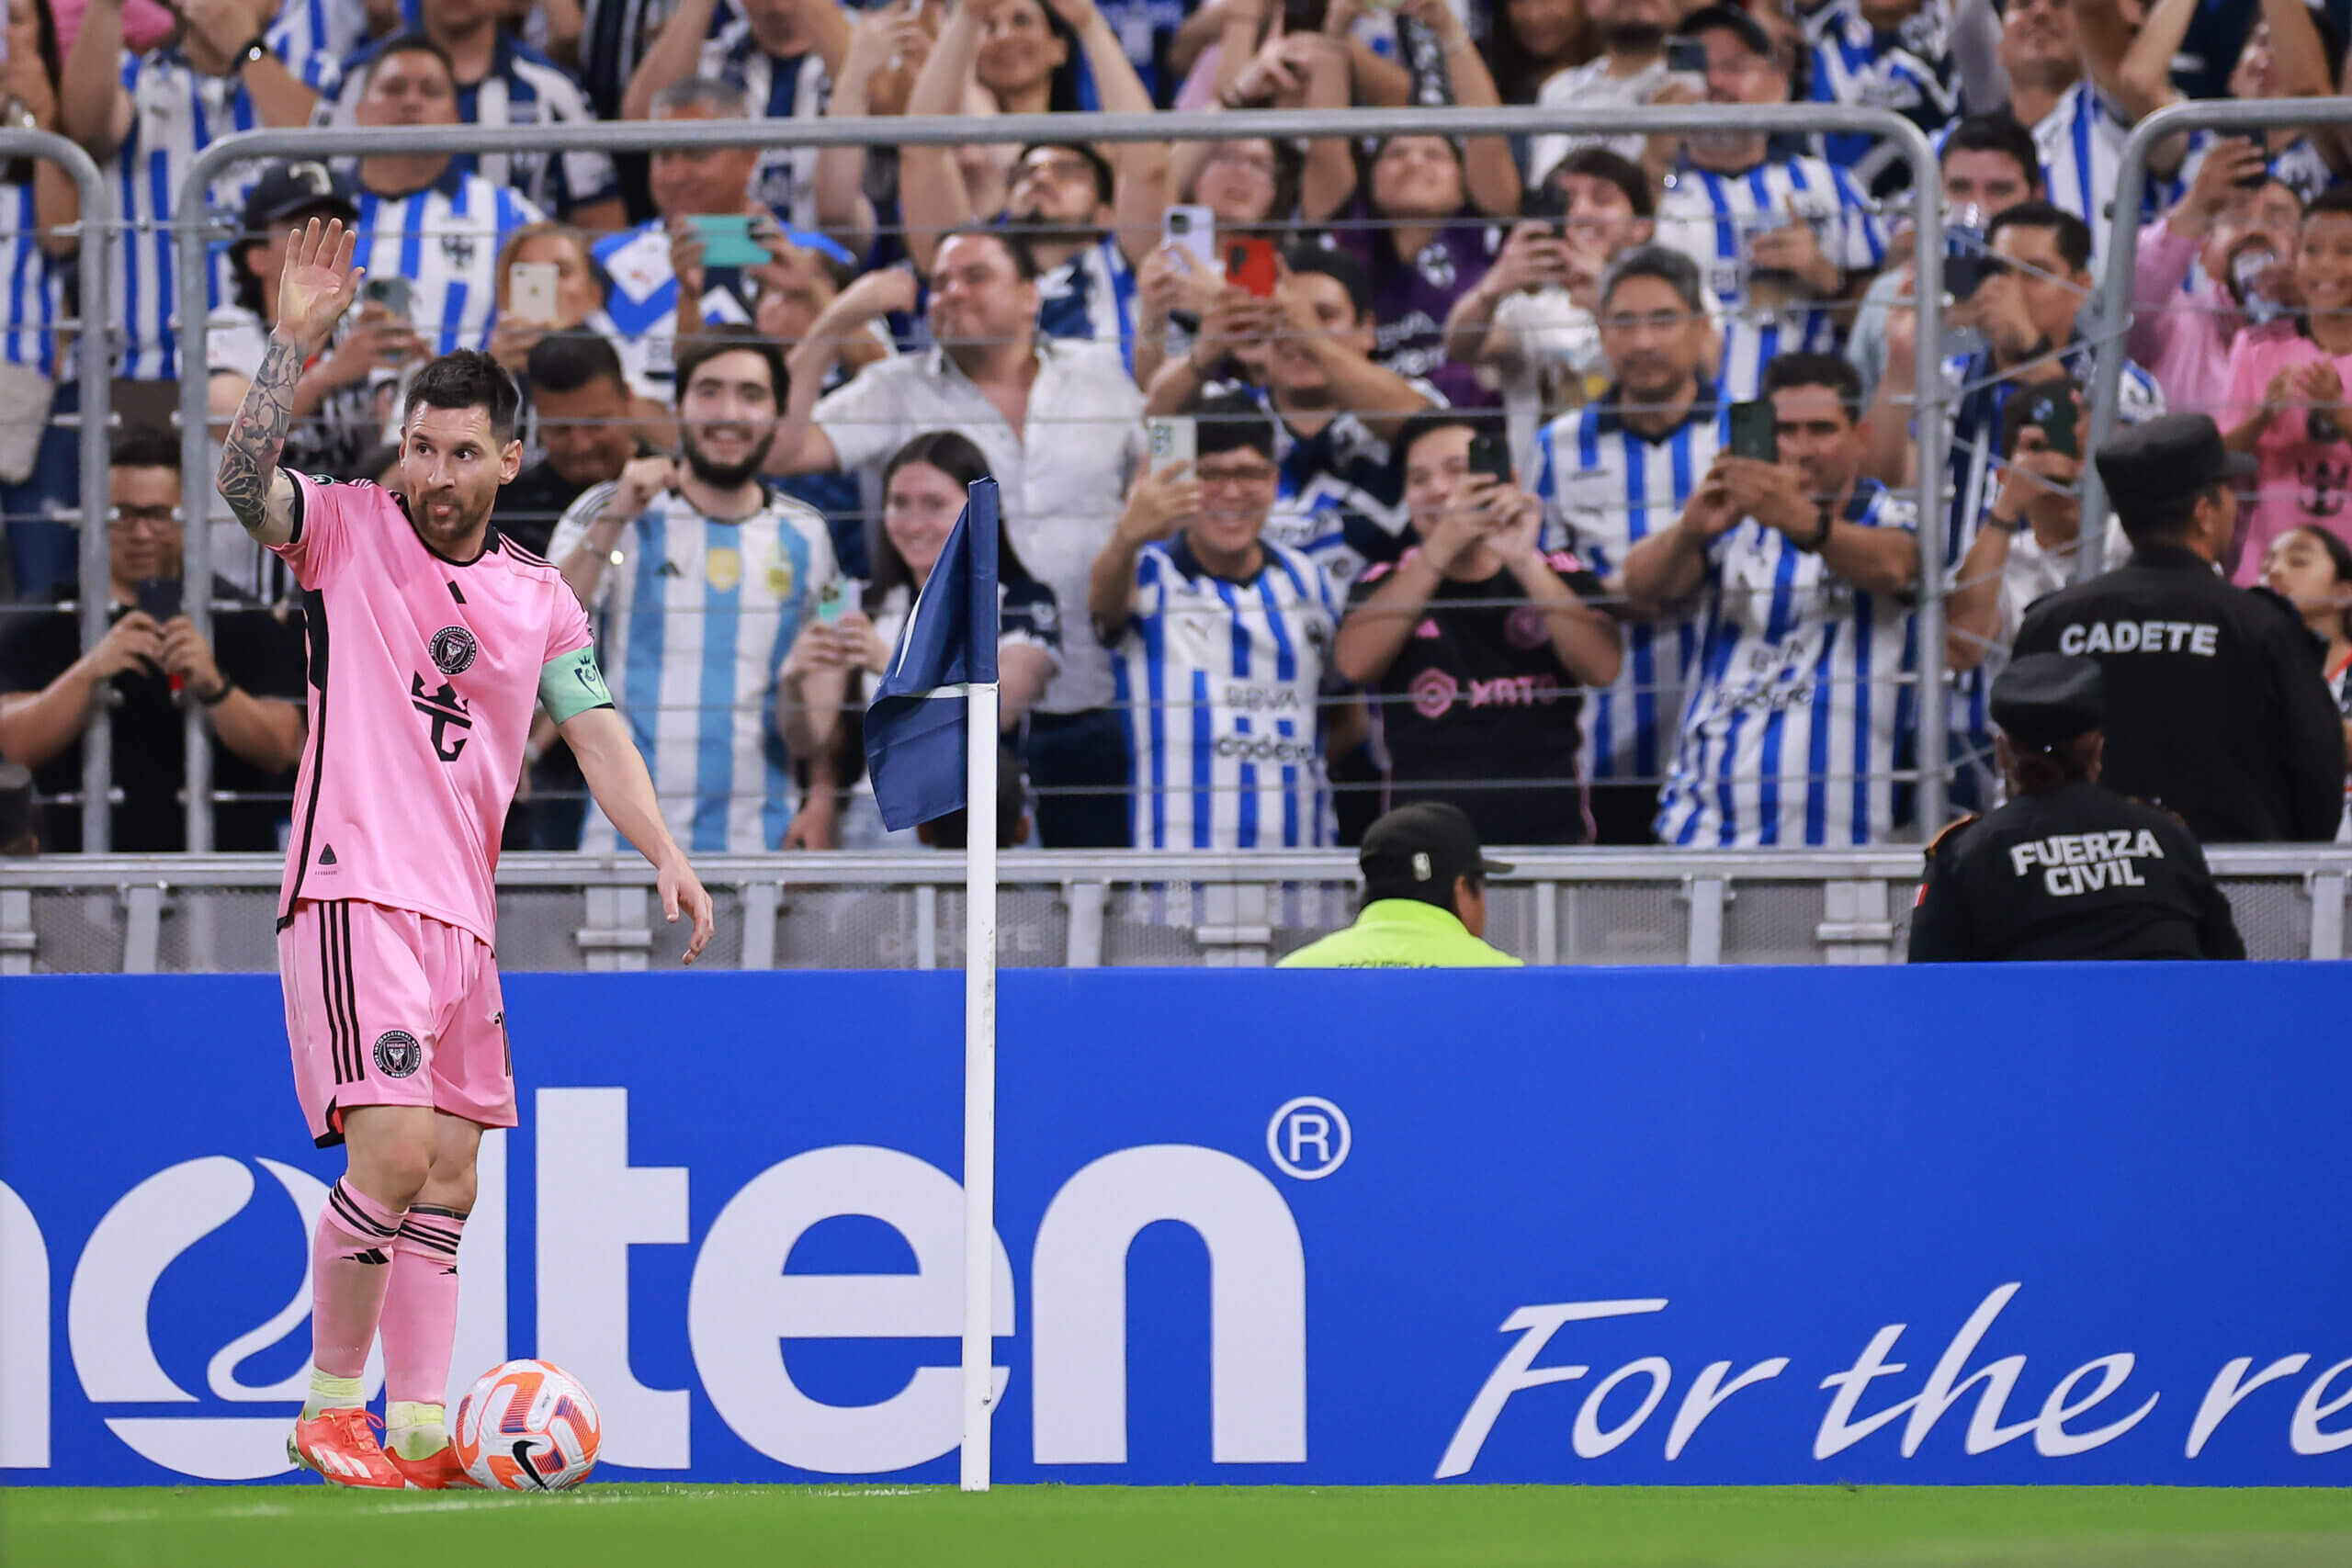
<point>139,915</point>
<point>2112,318</point>
<point>193,240</point>
<point>94,369</point>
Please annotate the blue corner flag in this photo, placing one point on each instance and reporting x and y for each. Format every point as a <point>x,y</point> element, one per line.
<point>915,728</point>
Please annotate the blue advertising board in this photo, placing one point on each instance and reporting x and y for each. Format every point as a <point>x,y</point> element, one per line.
<point>1957,1226</point>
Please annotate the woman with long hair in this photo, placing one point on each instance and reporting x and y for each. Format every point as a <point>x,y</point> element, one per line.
<point>2312,568</point>
<point>923,490</point>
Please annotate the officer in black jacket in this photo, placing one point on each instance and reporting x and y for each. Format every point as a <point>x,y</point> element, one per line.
<point>2217,704</point>
<point>2066,869</point>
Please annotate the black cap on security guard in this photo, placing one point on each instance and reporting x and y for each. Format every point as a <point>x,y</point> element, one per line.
<point>285,189</point>
<point>1417,852</point>
<point>2157,462</point>
<point>2047,699</point>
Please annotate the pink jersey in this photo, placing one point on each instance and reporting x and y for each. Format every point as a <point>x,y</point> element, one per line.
<point>424,674</point>
<point>2300,480</point>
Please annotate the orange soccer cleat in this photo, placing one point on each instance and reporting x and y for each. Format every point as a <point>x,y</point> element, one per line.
<point>339,1445</point>
<point>437,1472</point>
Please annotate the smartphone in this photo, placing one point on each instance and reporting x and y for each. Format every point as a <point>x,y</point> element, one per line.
<point>1173,439</point>
<point>2054,415</point>
<point>159,597</point>
<point>1549,204</point>
<point>1755,430</point>
<point>727,240</point>
<point>531,291</point>
<point>1964,251</point>
<point>1490,456</point>
<point>1192,230</point>
<point>1249,264</point>
<point>832,602</point>
<point>390,290</point>
<point>1305,16</point>
<point>1686,57</point>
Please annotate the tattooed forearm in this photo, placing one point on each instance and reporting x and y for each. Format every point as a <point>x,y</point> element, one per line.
<point>249,456</point>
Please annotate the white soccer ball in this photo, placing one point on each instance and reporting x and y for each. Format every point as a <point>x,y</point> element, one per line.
<point>527,1427</point>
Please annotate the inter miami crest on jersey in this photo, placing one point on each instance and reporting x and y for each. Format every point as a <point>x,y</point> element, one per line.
<point>453,651</point>
<point>397,1055</point>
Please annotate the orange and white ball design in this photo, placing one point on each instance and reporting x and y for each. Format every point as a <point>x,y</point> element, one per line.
<point>527,1427</point>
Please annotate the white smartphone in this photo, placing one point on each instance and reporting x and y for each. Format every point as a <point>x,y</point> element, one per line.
<point>1173,439</point>
<point>531,291</point>
<point>1193,231</point>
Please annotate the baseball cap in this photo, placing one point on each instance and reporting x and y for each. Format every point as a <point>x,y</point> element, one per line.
<point>1419,850</point>
<point>285,189</point>
<point>2046,699</point>
<point>1731,18</point>
<point>2158,461</point>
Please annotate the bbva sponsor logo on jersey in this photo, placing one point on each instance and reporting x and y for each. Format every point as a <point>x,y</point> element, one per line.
<point>593,1206</point>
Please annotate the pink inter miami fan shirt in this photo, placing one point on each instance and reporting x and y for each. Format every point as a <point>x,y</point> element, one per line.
<point>425,673</point>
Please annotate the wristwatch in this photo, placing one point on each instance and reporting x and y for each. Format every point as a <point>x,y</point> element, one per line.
<point>1813,546</point>
<point>257,50</point>
<point>218,695</point>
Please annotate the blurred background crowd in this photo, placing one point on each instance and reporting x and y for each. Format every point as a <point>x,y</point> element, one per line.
<point>1568,479</point>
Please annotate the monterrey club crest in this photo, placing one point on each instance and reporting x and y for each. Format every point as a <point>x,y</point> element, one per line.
<point>397,1053</point>
<point>453,649</point>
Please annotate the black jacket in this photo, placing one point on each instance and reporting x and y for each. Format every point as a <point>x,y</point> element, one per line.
<point>2076,872</point>
<point>2217,704</point>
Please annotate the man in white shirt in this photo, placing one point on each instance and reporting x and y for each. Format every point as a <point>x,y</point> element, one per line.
<point>1060,421</point>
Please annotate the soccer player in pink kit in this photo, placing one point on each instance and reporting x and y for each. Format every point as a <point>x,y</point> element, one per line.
<point>433,639</point>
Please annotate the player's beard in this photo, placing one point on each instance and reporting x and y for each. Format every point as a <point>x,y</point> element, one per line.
<point>727,476</point>
<point>446,536</point>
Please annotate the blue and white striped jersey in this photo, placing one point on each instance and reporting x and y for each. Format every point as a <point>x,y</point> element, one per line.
<point>1606,488</point>
<point>694,623</point>
<point>334,29</point>
<point>2081,142</point>
<point>445,240</point>
<point>36,286</point>
<point>1091,296</point>
<point>1800,698</point>
<point>1337,497</point>
<point>1979,398</point>
<point>524,87</point>
<point>1909,71</point>
<point>1218,683</point>
<point>1710,217</point>
<point>791,88</point>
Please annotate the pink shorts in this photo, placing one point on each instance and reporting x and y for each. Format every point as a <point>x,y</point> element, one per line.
<point>389,1006</point>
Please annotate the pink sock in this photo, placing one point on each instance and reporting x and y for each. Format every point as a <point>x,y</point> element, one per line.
<point>420,1309</point>
<point>351,1262</point>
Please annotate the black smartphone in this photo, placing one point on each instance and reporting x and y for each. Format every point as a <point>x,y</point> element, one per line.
<point>1963,275</point>
<point>1548,205</point>
<point>1303,16</point>
<point>2052,413</point>
<point>1490,456</point>
<point>159,597</point>
<point>1686,57</point>
<point>1756,431</point>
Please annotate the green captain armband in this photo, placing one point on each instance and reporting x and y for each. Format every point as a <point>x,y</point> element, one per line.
<point>569,685</point>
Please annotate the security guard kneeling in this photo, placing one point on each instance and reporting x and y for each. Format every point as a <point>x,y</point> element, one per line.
<point>2066,869</point>
<point>1424,898</point>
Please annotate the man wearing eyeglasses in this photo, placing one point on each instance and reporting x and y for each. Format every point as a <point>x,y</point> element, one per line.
<point>247,682</point>
<point>1220,643</point>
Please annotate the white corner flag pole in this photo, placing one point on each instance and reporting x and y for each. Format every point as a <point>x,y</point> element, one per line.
<point>979,1080</point>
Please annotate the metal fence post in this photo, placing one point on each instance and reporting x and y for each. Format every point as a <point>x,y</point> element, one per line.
<point>2112,314</point>
<point>94,368</point>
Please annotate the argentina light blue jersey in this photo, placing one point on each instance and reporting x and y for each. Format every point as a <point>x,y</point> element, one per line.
<point>1606,487</point>
<point>1218,683</point>
<point>2081,143</point>
<point>1091,296</point>
<point>1800,698</point>
<point>524,87</point>
<point>795,88</point>
<point>36,286</point>
<point>445,240</point>
<point>1908,69</point>
<point>694,623</point>
<point>176,113</point>
<point>1711,218</point>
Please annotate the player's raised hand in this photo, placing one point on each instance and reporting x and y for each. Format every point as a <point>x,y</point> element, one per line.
<point>317,283</point>
<point>680,889</point>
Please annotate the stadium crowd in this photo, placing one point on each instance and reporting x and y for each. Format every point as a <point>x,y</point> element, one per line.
<point>1335,476</point>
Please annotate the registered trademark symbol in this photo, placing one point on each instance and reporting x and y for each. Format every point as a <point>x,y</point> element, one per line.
<point>1308,1138</point>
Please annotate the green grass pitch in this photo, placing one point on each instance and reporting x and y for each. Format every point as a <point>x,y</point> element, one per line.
<point>1044,1526</point>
